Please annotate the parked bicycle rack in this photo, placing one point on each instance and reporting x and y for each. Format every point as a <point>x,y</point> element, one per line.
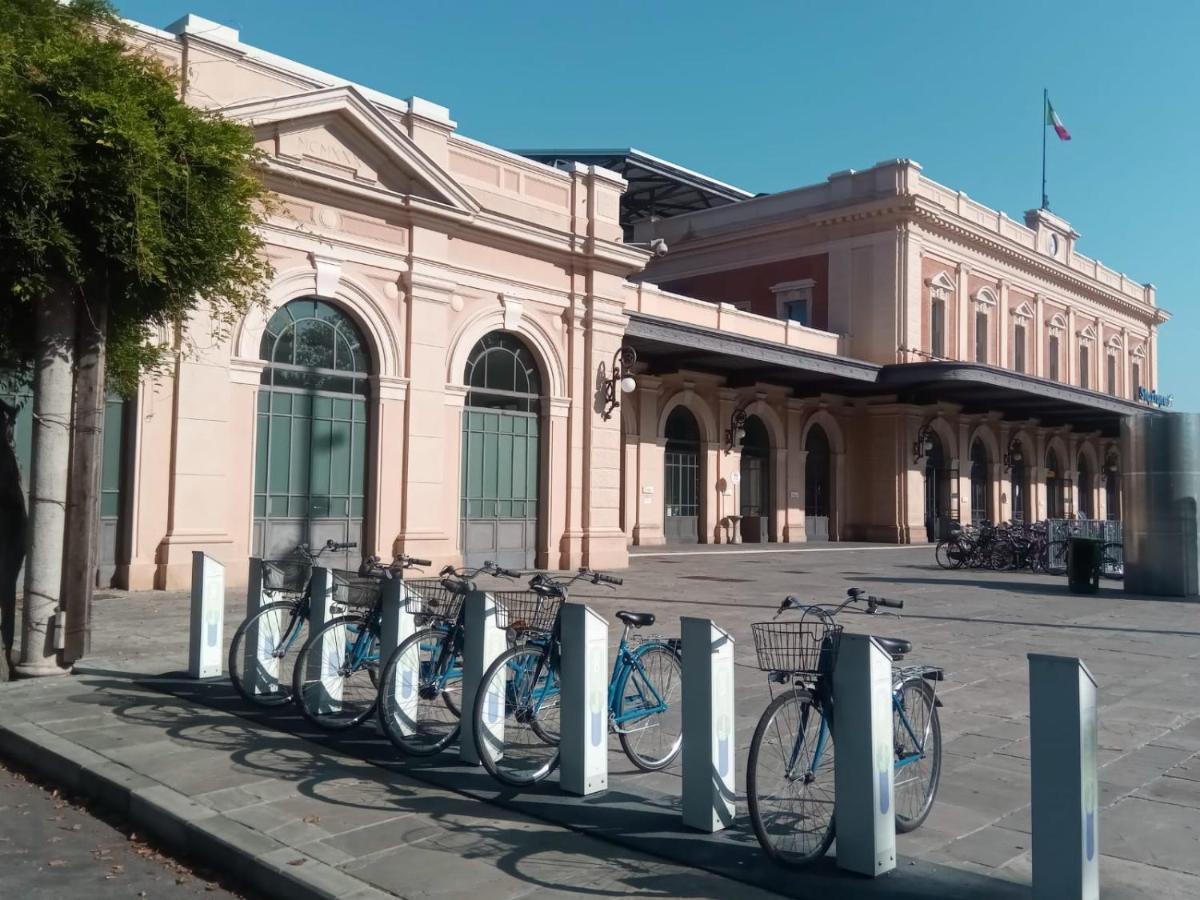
<point>1064,787</point>
<point>483,641</point>
<point>320,612</point>
<point>206,644</point>
<point>709,745</point>
<point>864,774</point>
<point>584,712</point>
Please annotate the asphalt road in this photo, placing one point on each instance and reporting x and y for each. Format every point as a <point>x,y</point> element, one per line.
<point>52,848</point>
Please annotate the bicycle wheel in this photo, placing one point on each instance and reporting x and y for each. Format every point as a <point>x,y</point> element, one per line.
<point>260,656</point>
<point>918,738</point>
<point>649,712</point>
<point>1001,557</point>
<point>1112,560</point>
<point>333,681</point>
<point>789,780</point>
<point>1057,555</point>
<point>942,554</point>
<point>516,717</point>
<point>420,700</point>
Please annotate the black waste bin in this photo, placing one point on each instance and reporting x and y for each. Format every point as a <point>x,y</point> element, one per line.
<point>1083,565</point>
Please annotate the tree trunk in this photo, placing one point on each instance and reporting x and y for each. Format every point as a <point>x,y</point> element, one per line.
<point>83,489</point>
<point>52,388</point>
<point>12,536</point>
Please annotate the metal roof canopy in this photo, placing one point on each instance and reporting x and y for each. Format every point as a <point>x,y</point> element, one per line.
<point>666,346</point>
<point>657,188</point>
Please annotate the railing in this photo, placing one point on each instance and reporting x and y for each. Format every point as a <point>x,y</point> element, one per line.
<point>1108,531</point>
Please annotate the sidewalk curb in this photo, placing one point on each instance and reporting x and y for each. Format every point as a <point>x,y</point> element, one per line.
<point>174,820</point>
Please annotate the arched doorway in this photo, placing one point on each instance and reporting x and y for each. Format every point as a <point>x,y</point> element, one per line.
<point>1087,503</point>
<point>1112,487</point>
<point>681,496</point>
<point>501,453</point>
<point>1018,479</point>
<point>1054,487</point>
<point>818,485</point>
<point>756,482</point>
<point>311,451</point>
<point>980,483</point>
<point>937,487</point>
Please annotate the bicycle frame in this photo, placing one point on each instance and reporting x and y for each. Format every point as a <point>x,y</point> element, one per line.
<point>823,734</point>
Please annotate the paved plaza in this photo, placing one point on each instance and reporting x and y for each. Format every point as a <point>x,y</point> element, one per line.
<point>344,811</point>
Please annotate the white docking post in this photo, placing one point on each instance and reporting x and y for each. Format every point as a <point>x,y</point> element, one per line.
<point>396,627</point>
<point>206,647</point>
<point>1064,787</point>
<point>324,667</point>
<point>709,745</point>
<point>864,774</point>
<point>584,711</point>
<point>483,641</point>
<point>254,587</point>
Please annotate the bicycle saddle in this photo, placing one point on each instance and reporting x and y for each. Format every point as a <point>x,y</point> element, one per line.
<point>636,620</point>
<point>896,646</point>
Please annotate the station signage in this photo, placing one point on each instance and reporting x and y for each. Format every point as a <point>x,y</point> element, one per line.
<point>1153,398</point>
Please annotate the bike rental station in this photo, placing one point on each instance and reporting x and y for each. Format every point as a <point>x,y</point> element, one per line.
<point>491,691</point>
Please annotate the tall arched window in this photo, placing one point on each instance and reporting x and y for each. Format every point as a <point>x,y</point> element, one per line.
<point>1019,347</point>
<point>755,487</point>
<point>1135,376</point>
<point>1054,483</point>
<point>980,481</point>
<point>1083,366</point>
<point>818,484</point>
<point>501,453</point>
<point>1112,374</point>
<point>1087,506</point>
<point>681,496</point>
<point>311,449</point>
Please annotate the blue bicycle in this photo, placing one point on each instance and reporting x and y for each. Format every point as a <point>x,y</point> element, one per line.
<point>517,705</point>
<point>790,785</point>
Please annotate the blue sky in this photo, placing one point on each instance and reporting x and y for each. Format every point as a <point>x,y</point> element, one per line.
<point>769,96</point>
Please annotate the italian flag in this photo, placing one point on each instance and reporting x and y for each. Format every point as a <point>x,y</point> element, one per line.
<point>1052,119</point>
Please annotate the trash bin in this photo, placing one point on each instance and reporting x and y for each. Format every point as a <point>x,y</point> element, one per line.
<point>754,529</point>
<point>1083,565</point>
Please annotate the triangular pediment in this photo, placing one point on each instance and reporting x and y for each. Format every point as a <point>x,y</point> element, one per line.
<point>337,133</point>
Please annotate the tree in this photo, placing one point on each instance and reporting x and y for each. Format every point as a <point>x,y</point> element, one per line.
<point>124,210</point>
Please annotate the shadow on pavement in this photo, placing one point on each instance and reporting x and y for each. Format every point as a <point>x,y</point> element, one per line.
<point>280,744</point>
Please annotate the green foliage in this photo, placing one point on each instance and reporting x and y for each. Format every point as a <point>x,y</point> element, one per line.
<point>115,189</point>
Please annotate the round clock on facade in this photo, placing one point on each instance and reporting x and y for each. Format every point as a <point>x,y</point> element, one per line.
<point>1053,244</point>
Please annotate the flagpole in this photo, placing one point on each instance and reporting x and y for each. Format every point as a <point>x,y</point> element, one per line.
<point>1045,100</point>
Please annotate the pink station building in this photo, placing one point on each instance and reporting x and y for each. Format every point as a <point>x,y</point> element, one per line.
<point>867,358</point>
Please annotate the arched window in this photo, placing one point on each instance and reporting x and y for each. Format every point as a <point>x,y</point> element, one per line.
<point>1136,378</point>
<point>980,478</point>
<point>1112,374</point>
<point>681,495</point>
<point>502,374</point>
<point>1084,479</point>
<point>755,486</point>
<point>818,484</point>
<point>1054,497</point>
<point>1083,365</point>
<point>311,448</point>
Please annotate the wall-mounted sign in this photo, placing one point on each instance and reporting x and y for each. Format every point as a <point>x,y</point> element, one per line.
<point>1162,401</point>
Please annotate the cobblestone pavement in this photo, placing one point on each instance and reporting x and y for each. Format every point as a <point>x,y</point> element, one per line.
<point>979,626</point>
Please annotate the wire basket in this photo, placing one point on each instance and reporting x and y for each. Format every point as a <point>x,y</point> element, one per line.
<point>287,575</point>
<point>526,611</point>
<point>808,648</point>
<point>353,592</point>
<point>432,598</point>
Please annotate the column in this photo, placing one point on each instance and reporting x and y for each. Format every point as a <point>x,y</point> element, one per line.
<point>797,458</point>
<point>385,461</point>
<point>962,309</point>
<point>1070,347</point>
<point>1039,337</point>
<point>1002,359</point>
<point>728,489</point>
<point>648,530</point>
<point>556,476</point>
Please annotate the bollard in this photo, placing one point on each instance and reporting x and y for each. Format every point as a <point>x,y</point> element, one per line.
<point>864,775</point>
<point>324,667</point>
<point>1064,788</point>
<point>483,641</point>
<point>208,616</point>
<point>709,748</point>
<point>395,628</point>
<point>584,711</point>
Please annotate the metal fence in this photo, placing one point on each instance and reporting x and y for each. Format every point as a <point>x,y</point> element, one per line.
<point>1107,531</point>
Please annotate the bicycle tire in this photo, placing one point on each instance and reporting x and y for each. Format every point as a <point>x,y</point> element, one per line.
<point>921,687</point>
<point>1112,561</point>
<point>254,625</point>
<point>312,694</point>
<point>941,554</point>
<point>674,708</point>
<point>548,762</point>
<point>425,739</point>
<point>1058,555</point>
<point>823,833</point>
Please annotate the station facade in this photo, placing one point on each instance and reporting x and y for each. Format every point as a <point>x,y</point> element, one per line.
<point>869,358</point>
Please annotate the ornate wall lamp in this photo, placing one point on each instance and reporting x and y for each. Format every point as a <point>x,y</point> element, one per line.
<point>1012,455</point>
<point>1112,467</point>
<point>923,445</point>
<point>736,432</point>
<point>620,381</point>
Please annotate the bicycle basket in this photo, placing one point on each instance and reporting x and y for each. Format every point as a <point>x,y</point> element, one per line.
<point>430,598</point>
<point>804,647</point>
<point>287,575</point>
<point>526,611</point>
<point>354,592</point>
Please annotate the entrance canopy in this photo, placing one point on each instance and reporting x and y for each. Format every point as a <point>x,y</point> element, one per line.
<point>667,346</point>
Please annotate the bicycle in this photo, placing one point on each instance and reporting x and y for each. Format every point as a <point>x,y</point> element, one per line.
<point>790,786</point>
<point>337,670</point>
<point>519,694</point>
<point>420,685</point>
<point>261,644</point>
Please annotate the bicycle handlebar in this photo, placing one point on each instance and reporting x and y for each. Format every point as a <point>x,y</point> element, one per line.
<point>885,602</point>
